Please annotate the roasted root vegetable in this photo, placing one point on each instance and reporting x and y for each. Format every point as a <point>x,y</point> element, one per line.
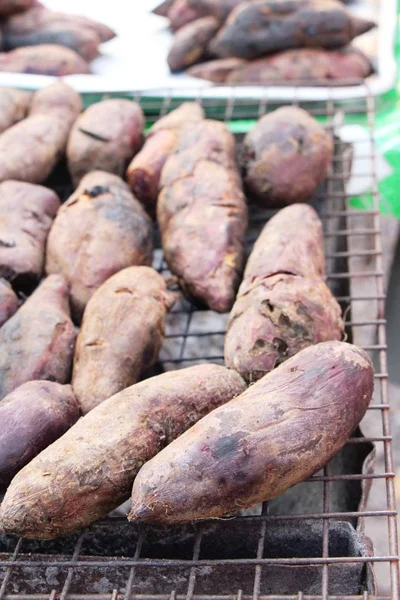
<point>105,137</point>
<point>202,214</point>
<point>162,9</point>
<point>144,171</point>
<point>286,157</point>
<point>217,70</point>
<point>14,105</point>
<point>90,470</point>
<point>8,7</point>
<point>8,301</point>
<point>45,59</point>
<point>121,334</point>
<point>279,432</point>
<point>190,43</point>
<point>100,230</point>
<point>257,28</point>
<point>26,214</point>
<point>38,341</point>
<point>32,417</point>
<point>220,9</point>
<point>180,14</point>
<point>31,148</point>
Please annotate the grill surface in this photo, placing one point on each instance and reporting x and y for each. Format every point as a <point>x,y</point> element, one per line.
<point>307,544</point>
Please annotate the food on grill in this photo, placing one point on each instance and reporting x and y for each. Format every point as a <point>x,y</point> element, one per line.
<point>26,215</point>
<point>286,157</point>
<point>31,148</point>
<point>100,230</point>
<point>45,59</point>
<point>90,470</point>
<point>105,137</point>
<point>32,417</point>
<point>144,172</point>
<point>216,70</point>
<point>8,7</point>
<point>257,28</point>
<point>279,432</point>
<point>14,104</point>
<point>162,9</point>
<point>121,334</point>
<point>191,43</point>
<point>202,214</point>
<point>8,301</point>
<point>38,341</point>
<point>180,14</point>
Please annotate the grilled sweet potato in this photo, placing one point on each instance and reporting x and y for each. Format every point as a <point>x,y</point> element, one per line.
<point>9,7</point>
<point>220,9</point>
<point>8,301</point>
<point>144,172</point>
<point>45,59</point>
<point>202,214</point>
<point>14,105</point>
<point>105,137</point>
<point>180,14</point>
<point>30,149</point>
<point>121,334</point>
<point>217,70</point>
<point>256,28</point>
<point>100,230</point>
<point>191,43</point>
<point>279,432</point>
<point>90,470</point>
<point>38,341</point>
<point>162,9</point>
<point>26,214</point>
<point>32,417</point>
<point>286,157</point>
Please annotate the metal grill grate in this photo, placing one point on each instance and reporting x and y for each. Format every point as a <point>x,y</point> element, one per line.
<point>306,545</point>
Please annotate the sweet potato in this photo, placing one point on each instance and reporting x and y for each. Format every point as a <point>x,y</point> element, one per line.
<point>191,43</point>
<point>279,432</point>
<point>144,172</point>
<point>313,65</point>
<point>263,26</point>
<point>14,104</point>
<point>100,230</point>
<point>26,214</point>
<point>121,335</point>
<point>30,149</point>
<point>45,59</point>
<point>8,7</point>
<point>162,9</point>
<point>90,470</point>
<point>8,301</point>
<point>217,70</point>
<point>283,304</point>
<point>202,214</point>
<point>286,157</point>
<point>220,9</point>
<point>32,417</point>
<point>105,137</point>
<point>38,341</point>
<point>180,14</point>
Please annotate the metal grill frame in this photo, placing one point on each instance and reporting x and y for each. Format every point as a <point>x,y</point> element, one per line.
<point>355,225</point>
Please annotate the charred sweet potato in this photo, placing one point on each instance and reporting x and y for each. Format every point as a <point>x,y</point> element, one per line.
<point>191,43</point>
<point>9,7</point>
<point>220,9</point>
<point>283,304</point>
<point>14,104</point>
<point>313,65</point>
<point>217,70</point>
<point>90,470</point>
<point>8,301</point>
<point>144,172</point>
<point>30,149</point>
<point>32,417</point>
<point>38,341</point>
<point>45,59</point>
<point>100,230</point>
<point>26,214</point>
<point>257,28</point>
<point>202,212</point>
<point>286,157</point>
<point>121,334</point>
<point>279,432</point>
<point>180,14</point>
<point>105,137</point>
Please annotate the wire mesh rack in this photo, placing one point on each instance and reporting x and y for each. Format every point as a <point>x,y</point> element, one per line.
<point>310,543</point>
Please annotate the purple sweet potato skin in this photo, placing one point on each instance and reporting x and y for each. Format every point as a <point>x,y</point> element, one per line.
<point>122,333</point>
<point>90,470</point>
<point>180,14</point>
<point>278,433</point>
<point>26,215</point>
<point>44,59</point>
<point>202,212</point>
<point>9,7</point>
<point>38,341</point>
<point>217,70</point>
<point>190,43</point>
<point>98,231</point>
<point>220,9</point>
<point>105,137</point>
<point>33,416</point>
<point>286,157</point>
<point>14,105</point>
<point>8,301</point>
<point>162,9</point>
